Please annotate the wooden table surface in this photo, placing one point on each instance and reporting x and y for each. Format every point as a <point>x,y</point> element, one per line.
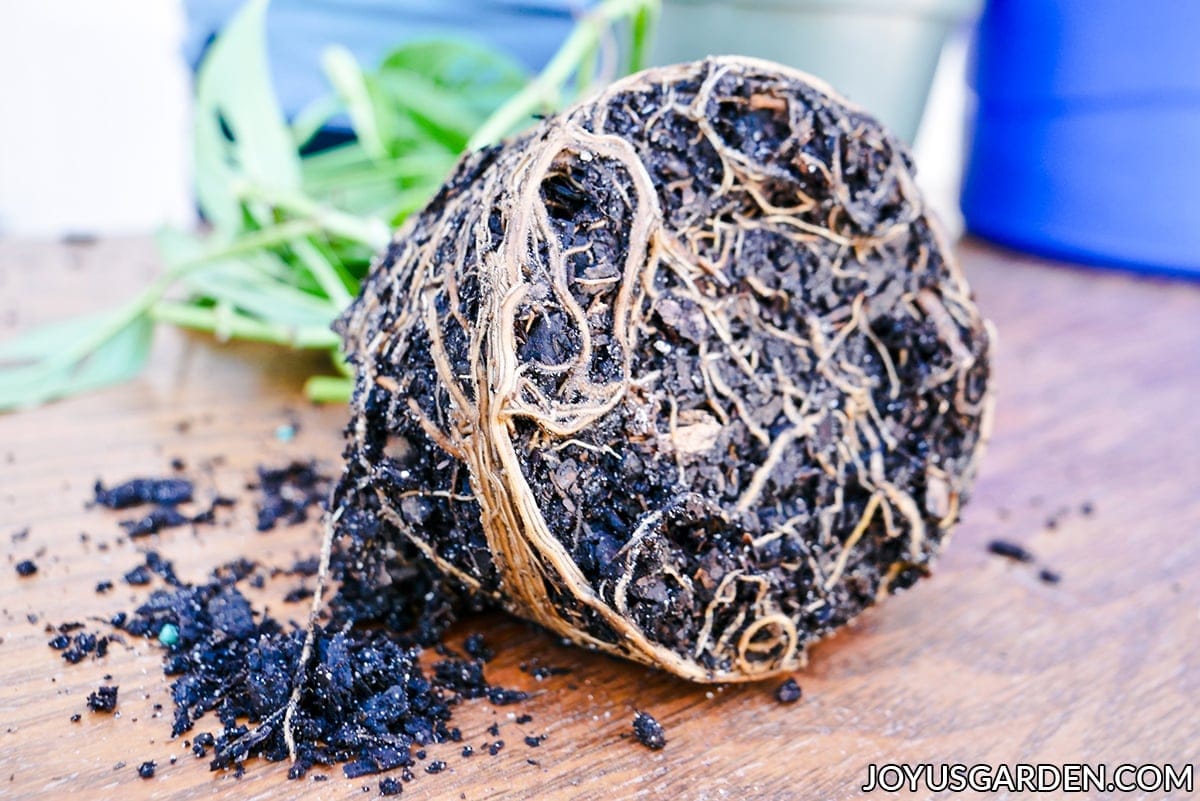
<point>1099,403</point>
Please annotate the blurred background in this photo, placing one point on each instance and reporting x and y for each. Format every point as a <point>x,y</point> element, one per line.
<point>1068,128</point>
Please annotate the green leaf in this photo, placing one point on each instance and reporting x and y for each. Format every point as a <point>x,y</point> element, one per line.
<point>641,35</point>
<point>240,132</point>
<point>310,119</point>
<point>342,70</point>
<point>248,286</point>
<point>46,340</point>
<point>482,78</point>
<point>442,90</point>
<point>124,345</point>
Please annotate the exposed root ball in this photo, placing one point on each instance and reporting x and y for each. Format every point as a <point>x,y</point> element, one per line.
<point>686,374</point>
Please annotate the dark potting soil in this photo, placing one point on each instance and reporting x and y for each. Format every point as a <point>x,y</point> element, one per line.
<point>365,699</point>
<point>26,568</point>
<point>289,492</point>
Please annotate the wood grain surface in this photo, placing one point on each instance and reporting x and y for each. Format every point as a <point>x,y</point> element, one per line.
<point>1099,403</point>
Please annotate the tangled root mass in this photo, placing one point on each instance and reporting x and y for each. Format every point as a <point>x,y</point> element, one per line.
<point>686,374</point>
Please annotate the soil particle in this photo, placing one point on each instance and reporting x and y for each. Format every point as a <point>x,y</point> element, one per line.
<point>1010,550</point>
<point>390,786</point>
<point>789,692</point>
<point>138,491</point>
<point>1049,576</point>
<point>104,699</point>
<point>26,568</point>
<point>146,769</point>
<point>138,576</point>
<point>648,731</point>
<point>475,646</point>
<point>157,519</point>
<point>81,645</point>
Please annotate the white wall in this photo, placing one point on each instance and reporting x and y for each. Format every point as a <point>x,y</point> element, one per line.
<point>940,148</point>
<point>94,128</point>
<point>94,119</point>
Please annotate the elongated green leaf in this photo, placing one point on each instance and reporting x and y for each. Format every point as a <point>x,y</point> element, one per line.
<point>445,88</point>
<point>254,291</point>
<point>342,70</point>
<point>444,118</point>
<point>119,357</point>
<point>45,340</point>
<point>240,132</point>
<point>312,117</point>
<point>482,78</point>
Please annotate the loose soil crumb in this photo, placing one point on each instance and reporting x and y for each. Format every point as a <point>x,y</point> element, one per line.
<point>289,492</point>
<point>26,568</point>
<point>1010,550</point>
<point>648,731</point>
<point>146,769</point>
<point>366,701</point>
<point>789,692</point>
<point>154,521</point>
<point>103,700</point>
<point>138,491</point>
<point>1049,576</point>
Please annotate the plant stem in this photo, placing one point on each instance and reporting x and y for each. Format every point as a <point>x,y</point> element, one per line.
<point>228,324</point>
<point>370,231</point>
<point>329,389</point>
<point>544,89</point>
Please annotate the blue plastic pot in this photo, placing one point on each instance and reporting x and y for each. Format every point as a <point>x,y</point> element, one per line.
<point>1086,141</point>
